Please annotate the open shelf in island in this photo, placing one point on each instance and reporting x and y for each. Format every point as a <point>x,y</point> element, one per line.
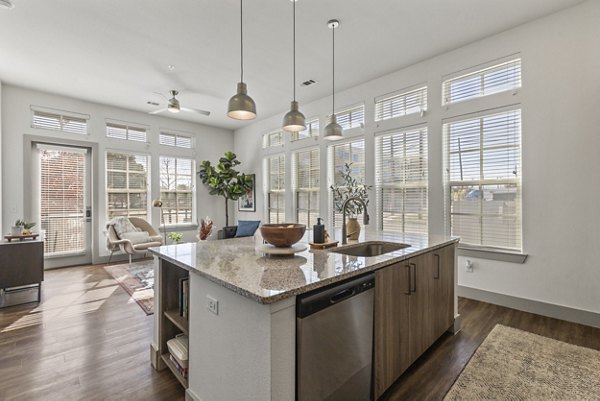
<point>167,360</point>
<point>179,321</point>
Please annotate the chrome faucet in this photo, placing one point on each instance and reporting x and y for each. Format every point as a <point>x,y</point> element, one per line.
<point>365,215</point>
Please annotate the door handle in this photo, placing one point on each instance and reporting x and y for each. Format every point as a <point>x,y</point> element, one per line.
<point>414,277</point>
<point>340,296</point>
<point>437,275</point>
<point>408,281</point>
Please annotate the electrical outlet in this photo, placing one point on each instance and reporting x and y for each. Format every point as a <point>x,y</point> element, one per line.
<point>469,266</point>
<point>212,304</point>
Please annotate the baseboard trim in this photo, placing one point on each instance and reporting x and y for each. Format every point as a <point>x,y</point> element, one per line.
<point>190,396</point>
<point>527,305</point>
<point>155,357</point>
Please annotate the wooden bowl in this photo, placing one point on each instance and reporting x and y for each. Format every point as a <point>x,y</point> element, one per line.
<point>282,235</point>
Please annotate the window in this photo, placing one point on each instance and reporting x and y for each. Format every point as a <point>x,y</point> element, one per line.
<point>176,191</point>
<point>483,184</point>
<point>306,186</point>
<point>176,140</point>
<point>401,181</point>
<point>351,118</point>
<point>275,193</point>
<point>58,121</point>
<point>400,104</point>
<point>126,132</point>
<point>312,130</point>
<point>497,78</point>
<point>63,199</point>
<point>273,139</point>
<point>127,185</point>
<point>352,153</point>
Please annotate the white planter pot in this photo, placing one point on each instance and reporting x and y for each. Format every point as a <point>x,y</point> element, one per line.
<point>15,231</point>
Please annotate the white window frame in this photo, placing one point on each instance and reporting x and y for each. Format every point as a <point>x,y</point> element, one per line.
<point>350,110</point>
<point>273,139</point>
<point>297,191</point>
<point>127,127</point>
<point>268,190</point>
<point>397,102</point>
<point>449,183</point>
<point>127,190</point>
<point>403,184</point>
<point>177,137</point>
<point>311,131</point>
<point>63,118</point>
<point>480,73</point>
<point>192,191</point>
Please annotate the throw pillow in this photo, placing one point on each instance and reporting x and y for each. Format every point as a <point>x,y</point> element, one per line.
<point>137,237</point>
<point>122,225</point>
<point>247,228</point>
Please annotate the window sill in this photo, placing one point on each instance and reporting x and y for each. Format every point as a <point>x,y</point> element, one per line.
<point>175,227</point>
<point>491,254</point>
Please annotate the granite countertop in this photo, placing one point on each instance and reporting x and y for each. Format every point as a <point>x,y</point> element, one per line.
<point>237,265</point>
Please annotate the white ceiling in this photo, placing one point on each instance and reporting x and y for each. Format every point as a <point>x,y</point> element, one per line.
<point>117,52</point>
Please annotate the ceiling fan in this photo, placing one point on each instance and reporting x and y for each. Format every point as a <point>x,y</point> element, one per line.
<point>173,105</point>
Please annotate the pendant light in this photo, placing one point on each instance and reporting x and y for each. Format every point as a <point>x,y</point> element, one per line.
<point>333,130</point>
<point>241,106</point>
<point>293,120</point>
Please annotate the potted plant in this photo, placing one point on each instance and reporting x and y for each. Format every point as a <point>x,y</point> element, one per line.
<point>224,180</point>
<point>21,227</point>
<point>350,188</point>
<point>175,237</point>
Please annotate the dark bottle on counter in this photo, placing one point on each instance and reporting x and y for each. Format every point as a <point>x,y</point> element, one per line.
<point>319,232</point>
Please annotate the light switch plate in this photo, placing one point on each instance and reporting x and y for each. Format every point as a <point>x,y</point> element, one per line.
<point>212,304</point>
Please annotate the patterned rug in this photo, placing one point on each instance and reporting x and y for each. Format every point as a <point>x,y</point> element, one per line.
<point>512,364</point>
<point>138,280</point>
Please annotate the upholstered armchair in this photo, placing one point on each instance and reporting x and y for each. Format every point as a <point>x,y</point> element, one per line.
<point>137,241</point>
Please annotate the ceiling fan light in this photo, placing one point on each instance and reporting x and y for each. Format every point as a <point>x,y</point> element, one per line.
<point>173,106</point>
<point>241,106</point>
<point>333,131</point>
<point>294,120</point>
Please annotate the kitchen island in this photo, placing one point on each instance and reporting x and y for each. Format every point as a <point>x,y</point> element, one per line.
<point>242,308</point>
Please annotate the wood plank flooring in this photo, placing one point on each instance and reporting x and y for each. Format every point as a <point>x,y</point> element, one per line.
<point>88,341</point>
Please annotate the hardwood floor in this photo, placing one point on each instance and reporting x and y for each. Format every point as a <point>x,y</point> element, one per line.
<point>88,341</point>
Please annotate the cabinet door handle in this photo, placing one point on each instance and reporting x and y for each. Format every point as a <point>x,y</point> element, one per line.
<point>437,274</point>
<point>408,281</point>
<point>414,277</point>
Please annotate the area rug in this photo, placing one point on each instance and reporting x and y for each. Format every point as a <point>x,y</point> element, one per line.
<point>138,280</point>
<point>512,364</point>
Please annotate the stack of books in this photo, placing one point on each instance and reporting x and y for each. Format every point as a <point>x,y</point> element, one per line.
<point>182,371</point>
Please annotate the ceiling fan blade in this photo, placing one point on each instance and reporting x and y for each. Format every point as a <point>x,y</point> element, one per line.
<point>197,111</point>
<point>157,111</point>
<point>161,95</point>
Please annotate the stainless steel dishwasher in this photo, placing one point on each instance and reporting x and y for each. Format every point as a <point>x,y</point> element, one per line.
<point>334,349</point>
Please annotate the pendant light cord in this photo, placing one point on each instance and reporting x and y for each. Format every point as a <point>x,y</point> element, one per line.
<point>333,74</point>
<point>294,46</point>
<point>241,41</point>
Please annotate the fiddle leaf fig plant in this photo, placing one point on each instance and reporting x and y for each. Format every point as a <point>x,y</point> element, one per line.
<point>349,188</point>
<point>224,180</point>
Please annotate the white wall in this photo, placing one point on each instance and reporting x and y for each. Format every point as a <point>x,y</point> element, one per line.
<point>16,102</point>
<point>560,144</point>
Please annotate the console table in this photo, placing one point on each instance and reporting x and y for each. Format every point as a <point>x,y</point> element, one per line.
<point>21,264</point>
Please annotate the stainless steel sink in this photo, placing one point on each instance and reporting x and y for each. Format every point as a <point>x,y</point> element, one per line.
<point>370,248</point>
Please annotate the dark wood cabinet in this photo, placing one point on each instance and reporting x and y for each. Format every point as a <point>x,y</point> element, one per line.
<point>414,305</point>
<point>22,263</point>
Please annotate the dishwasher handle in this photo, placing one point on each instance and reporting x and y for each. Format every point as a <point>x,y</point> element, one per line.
<point>342,295</point>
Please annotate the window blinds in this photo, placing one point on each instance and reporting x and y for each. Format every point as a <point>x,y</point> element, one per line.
<point>125,132</point>
<point>59,122</point>
<point>127,185</point>
<point>400,104</point>
<point>312,130</point>
<point>176,190</point>
<point>62,200</point>
<point>351,118</point>
<point>483,161</point>
<point>275,194</point>
<point>273,139</point>
<point>339,155</point>
<point>402,181</point>
<point>306,183</point>
<point>175,140</point>
<point>497,78</point>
